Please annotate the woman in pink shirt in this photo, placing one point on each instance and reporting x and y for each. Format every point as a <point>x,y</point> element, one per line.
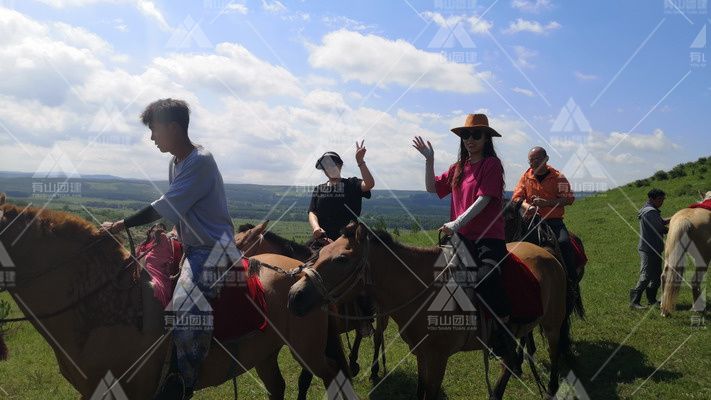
<point>476,185</point>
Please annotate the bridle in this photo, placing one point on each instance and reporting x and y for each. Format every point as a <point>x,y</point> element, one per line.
<point>335,294</point>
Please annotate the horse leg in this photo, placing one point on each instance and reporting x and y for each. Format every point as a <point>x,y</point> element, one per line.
<point>269,372</point>
<point>502,381</point>
<point>436,366</point>
<point>305,379</point>
<point>421,375</point>
<point>378,340</point>
<point>554,353</point>
<point>353,357</point>
<point>698,304</point>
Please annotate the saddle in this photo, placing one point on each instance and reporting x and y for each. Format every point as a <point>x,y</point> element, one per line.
<point>520,284</point>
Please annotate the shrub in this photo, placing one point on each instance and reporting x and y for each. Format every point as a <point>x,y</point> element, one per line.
<point>686,189</point>
<point>661,176</point>
<point>677,172</point>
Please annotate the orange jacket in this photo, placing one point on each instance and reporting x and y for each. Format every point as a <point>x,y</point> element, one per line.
<point>554,186</point>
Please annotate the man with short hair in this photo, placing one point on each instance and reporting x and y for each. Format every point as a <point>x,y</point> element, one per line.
<point>547,191</point>
<point>651,244</point>
<point>196,203</point>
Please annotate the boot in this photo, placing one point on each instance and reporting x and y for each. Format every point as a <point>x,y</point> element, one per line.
<point>635,297</point>
<point>652,296</point>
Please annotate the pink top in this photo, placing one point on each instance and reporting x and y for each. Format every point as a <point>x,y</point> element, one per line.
<point>483,178</point>
<point>159,264</point>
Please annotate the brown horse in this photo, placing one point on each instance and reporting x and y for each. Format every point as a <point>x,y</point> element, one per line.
<point>689,234</point>
<point>253,240</point>
<point>404,276</point>
<point>518,228</point>
<point>71,285</point>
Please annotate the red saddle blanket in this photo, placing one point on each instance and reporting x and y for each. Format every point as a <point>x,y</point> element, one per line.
<point>523,290</point>
<point>704,204</point>
<point>241,307</point>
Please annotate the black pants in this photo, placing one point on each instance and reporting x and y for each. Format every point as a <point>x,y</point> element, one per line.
<point>488,255</point>
<point>650,274</point>
<point>566,248</point>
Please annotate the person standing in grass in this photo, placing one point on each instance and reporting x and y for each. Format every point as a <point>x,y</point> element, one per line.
<point>651,244</point>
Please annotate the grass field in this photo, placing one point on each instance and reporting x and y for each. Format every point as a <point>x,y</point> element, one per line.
<point>619,353</point>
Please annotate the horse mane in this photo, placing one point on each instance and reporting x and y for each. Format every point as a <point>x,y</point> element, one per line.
<point>244,228</point>
<point>59,224</point>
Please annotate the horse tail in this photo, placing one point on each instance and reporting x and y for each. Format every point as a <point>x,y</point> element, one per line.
<point>334,346</point>
<point>674,262</point>
<point>564,338</point>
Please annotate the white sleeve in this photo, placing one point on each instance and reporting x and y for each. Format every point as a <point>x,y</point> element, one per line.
<point>469,214</point>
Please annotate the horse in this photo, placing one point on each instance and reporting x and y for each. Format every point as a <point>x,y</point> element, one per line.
<point>253,240</point>
<point>72,284</point>
<point>689,233</point>
<point>533,230</point>
<point>400,272</point>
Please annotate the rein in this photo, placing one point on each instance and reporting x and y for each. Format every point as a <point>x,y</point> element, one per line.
<point>135,259</point>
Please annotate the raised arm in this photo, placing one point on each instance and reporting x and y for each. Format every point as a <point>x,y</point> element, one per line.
<point>368,181</point>
<point>428,152</point>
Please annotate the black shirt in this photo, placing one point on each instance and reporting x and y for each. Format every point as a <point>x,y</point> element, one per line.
<point>329,204</point>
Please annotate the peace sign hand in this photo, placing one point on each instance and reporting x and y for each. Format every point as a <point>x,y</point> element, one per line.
<point>360,151</point>
<point>424,149</point>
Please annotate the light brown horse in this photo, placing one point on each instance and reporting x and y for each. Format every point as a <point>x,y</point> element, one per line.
<point>689,234</point>
<point>71,286</point>
<point>403,277</point>
<point>253,240</point>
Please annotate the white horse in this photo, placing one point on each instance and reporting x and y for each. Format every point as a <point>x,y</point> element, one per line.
<point>689,234</point>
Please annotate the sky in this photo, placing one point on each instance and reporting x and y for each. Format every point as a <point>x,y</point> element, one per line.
<point>613,90</point>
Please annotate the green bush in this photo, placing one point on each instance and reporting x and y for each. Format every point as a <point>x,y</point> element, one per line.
<point>661,176</point>
<point>686,189</point>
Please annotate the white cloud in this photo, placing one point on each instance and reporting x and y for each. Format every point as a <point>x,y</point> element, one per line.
<point>523,56</point>
<point>237,8</point>
<point>531,5</point>
<point>273,6</point>
<point>522,25</point>
<point>473,23</point>
<point>585,77</point>
<point>342,22</point>
<point>523,91</point>
<point>145,7</point>
<point>372,59</point>
<point>656,141</point>
<point>232,69</point>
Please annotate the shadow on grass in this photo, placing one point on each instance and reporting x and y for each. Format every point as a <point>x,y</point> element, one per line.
<point>398,386</point>
<point>627,365</point>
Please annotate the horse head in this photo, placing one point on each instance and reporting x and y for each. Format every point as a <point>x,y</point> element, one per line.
<point>331,277</point>
<point>513,220</point>
<point>248,238</point>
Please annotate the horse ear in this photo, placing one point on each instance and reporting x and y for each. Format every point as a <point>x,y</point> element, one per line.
<point>259,229</point>
<point>361,232</point>
<point>2,198</point>
<point>350,229</point>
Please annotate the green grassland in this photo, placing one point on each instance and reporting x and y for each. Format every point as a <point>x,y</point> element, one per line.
<point>619,353</point>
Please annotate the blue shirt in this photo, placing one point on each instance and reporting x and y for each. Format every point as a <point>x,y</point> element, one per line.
<point>196,201</point>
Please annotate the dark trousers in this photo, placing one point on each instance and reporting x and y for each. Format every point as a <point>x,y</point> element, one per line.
<point>488,255</point>
<point>650,274</point>
<point>566,248</point>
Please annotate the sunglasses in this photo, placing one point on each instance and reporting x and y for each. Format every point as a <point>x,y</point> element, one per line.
<point>476,135</point>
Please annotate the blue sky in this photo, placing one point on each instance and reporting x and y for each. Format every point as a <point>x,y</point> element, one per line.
<point>608,87</point>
